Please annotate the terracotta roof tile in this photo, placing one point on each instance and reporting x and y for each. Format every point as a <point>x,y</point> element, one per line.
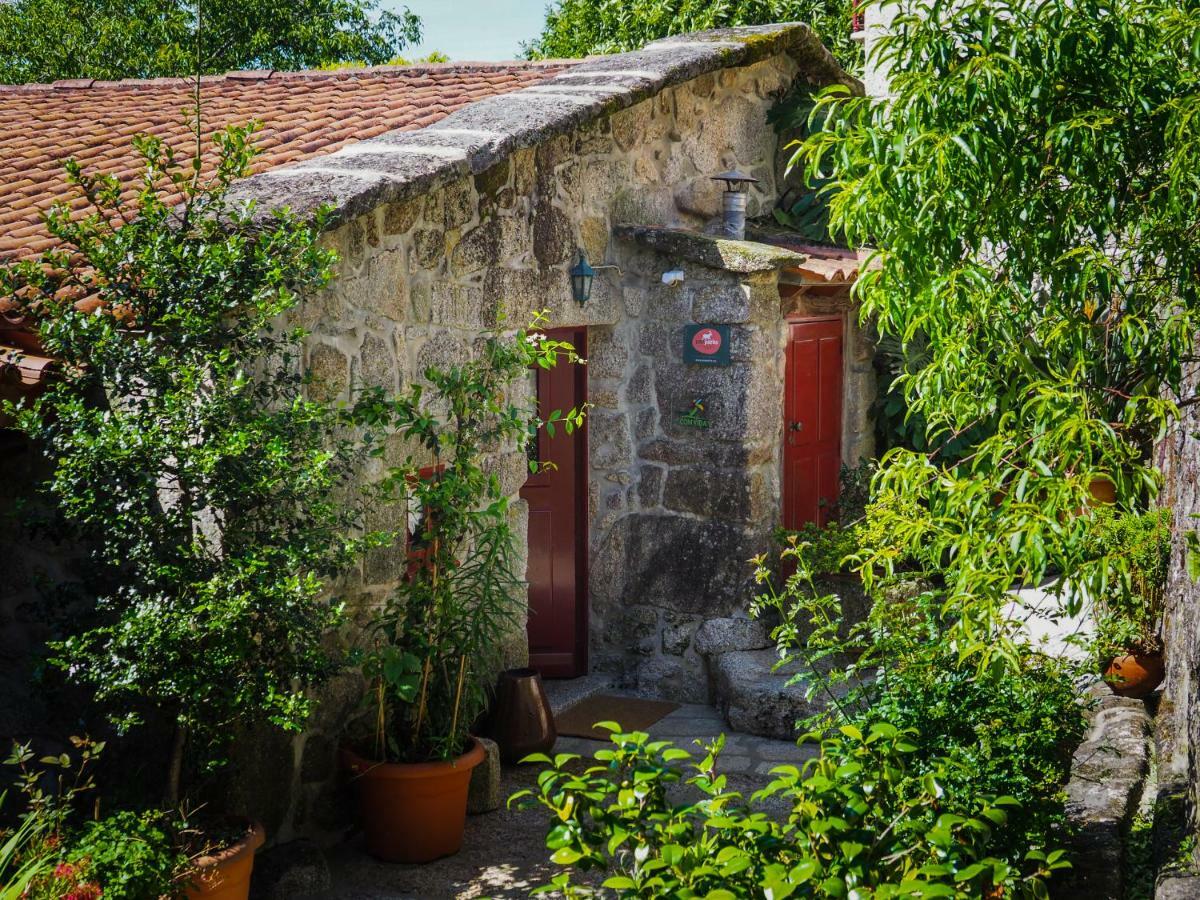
<point>302,114</point>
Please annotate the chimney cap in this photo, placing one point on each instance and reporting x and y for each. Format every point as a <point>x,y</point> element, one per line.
<point>734,179</point>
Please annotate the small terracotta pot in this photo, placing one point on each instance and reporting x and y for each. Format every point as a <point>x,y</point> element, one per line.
<point>226,874</point>
<point>524,723</point>
<point>1135,674</point>
<point>413,812</point>
<point>1102,490</point>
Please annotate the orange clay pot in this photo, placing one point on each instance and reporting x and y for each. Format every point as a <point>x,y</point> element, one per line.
<point>1102,490</point>
<point>226,874</point>
<point>413,812</point>
<point>1135,674</point>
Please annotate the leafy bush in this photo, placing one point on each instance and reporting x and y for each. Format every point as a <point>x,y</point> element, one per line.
<point>131,855</point>
<point>434,646</point>
<point>185,449</point>
<point>1006,729</point>
<point>1129,606</point>
<point>829,549</point>
<point>1010,733</point>
<point>863,823</point>
<point>583,27</point>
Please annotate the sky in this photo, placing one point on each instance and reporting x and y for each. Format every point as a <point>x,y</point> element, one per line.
<point>474,29</point>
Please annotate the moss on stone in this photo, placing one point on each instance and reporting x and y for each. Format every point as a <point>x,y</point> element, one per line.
<point>714,252</point>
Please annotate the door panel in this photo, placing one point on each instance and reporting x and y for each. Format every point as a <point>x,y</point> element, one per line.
<point>557,499</point>
<point>812,448</point>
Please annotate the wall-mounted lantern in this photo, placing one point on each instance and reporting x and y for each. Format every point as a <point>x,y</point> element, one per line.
<point>733,203</point>
<point>581,279</point>
<point>582,274</point>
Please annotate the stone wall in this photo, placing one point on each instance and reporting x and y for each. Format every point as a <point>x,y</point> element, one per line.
<point>680,510</point>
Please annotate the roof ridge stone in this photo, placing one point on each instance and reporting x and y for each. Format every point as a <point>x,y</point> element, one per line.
<point>489,130</point>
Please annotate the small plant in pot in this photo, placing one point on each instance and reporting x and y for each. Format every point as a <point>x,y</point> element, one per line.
<point>435,646</point>
<point>186,451</point>
<point>1136,548</point>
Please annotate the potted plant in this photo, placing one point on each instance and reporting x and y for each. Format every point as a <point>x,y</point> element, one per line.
<point>187,453</point>
<point>435,646</point>
<point>1135,547</point>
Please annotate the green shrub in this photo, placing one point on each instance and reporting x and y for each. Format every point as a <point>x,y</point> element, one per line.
<point>1129,607</point>
<point>863,823</point>
<point>996,732</point>
<point>132,855</point>
<point>999,730</point>
<point>187,449</point>
<point>434,647</point>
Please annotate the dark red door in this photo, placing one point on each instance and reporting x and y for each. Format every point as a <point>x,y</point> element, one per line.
<point>557,500</point>
<point>812,447</point>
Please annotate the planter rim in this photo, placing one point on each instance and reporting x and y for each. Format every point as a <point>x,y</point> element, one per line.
<point>254,838</point>
<point>360,766</point>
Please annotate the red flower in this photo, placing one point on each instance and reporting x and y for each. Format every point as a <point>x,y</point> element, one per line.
<point>64,871</point>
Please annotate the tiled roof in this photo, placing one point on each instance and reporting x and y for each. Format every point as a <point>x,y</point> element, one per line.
<point>302,114</point>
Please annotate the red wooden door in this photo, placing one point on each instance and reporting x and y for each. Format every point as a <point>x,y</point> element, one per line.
<point>557,498</point>
<point>812,447</point>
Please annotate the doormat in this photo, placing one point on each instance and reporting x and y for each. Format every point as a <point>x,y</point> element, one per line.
<point>631,713</point>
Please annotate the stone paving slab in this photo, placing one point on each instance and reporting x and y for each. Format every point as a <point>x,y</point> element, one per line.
<point>503,853</point>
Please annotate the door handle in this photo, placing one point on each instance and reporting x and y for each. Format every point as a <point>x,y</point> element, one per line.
<point>796,426</point>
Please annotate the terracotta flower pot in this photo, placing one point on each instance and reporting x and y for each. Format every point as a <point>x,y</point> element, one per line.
<point>1135,674</point>
<point>524,723</point>
<point>1102,490</point>
<point>413,812</point>
<point>225,875</point>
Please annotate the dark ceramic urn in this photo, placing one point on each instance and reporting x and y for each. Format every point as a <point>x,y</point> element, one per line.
<point>523,722</point>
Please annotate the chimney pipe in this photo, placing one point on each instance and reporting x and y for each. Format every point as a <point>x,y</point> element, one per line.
<point>733,203</point>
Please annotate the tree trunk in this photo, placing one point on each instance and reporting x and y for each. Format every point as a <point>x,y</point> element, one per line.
<point>1178,728</point>
<point>175,769</point>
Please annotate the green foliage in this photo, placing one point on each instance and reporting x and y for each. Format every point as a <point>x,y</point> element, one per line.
<point>863,823</point>
<point>31,853</point>
<point>583,27</point>
<point>131,855</point>
<point>998,733</point>
<point>48,856</point>
<point>185,450</point>
<point>45,40</point>
<point>995,730</point>
<point>1129,607</point>
<point>1033,209</point>
<point>436,643</point>
<point>830,549</point>
<point>833,548</point>
<point>1139,858</point>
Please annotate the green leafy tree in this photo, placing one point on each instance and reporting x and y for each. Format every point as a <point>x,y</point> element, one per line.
<point>185,450</point>
<point>1031,189</point>
<point>45,40</point>
<point>582,27</point>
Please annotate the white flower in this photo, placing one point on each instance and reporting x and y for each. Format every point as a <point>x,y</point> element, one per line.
<point>535,338</point>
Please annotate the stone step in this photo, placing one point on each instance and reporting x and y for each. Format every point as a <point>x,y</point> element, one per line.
<point>757,699</point>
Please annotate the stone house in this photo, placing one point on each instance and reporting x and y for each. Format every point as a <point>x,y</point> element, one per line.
<point>727,379</point>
